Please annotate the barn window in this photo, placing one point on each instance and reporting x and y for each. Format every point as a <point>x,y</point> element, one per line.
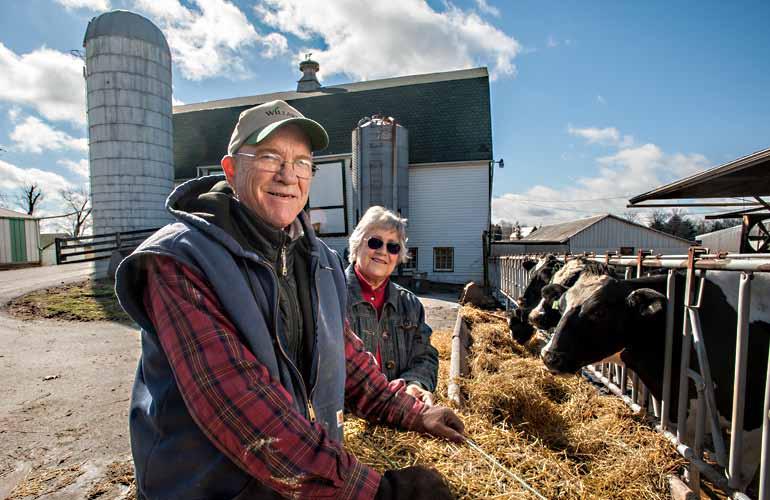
<point>411,264</point>
<point>443,259</point>
<point>327,209</point>
<point>626,250</point>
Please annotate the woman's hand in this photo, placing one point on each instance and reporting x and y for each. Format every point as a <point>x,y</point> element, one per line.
<point>420,393</point>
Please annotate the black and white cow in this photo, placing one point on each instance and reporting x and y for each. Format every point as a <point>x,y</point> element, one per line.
<point>601,315</point>
<point>546,314</point>
<point>542,270</point>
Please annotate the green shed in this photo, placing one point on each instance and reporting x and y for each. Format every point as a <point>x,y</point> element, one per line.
<point>19,239</point>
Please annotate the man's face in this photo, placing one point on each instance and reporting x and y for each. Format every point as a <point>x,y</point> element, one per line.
<point>276,197</point>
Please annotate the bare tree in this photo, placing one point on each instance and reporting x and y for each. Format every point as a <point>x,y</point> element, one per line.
<point>78,202</point>
<point>29,196</point>
<point>631,216</point>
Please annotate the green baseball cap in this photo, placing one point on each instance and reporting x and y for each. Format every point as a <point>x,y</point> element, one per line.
<point>255,124</point>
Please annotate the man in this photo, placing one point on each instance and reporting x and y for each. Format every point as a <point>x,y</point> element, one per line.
<point>247,360</point>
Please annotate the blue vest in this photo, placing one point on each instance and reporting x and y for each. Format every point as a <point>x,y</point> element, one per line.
<point>172,457</point>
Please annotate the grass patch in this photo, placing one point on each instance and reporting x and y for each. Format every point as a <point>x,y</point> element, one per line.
<point>89,300</point>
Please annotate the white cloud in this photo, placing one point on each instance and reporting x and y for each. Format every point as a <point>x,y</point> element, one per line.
<point>608,136</point>
<point>210,39</point>
<point>601,100</point>
<point>99,5</point>
<point>79,167</point>
<point>618,177</point>
<point>176,102</point>
<point>551,42</point>
<point>391,38</point>
<point>48,80</point>
<point>34,136</point>
<point>12,178</point>
<point>487,9</point>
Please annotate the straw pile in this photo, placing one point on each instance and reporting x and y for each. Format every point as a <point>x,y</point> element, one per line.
<point>556,433</point>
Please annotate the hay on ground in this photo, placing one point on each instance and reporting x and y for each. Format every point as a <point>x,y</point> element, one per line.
<point>557,433</point>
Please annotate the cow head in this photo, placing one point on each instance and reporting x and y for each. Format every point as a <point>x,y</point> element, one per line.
<point>546,314</point>
<point>521,330</point>
<point>542,272</point>
<point>599,317</point>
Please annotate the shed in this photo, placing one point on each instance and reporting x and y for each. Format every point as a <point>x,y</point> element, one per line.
<point>19,239</point>
<point>724,240</point>
<point>598,234</point>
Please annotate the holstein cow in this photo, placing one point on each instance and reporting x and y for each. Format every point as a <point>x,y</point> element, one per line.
<point>546,314</point>
<point>543,270</point>
<point>601,316</point>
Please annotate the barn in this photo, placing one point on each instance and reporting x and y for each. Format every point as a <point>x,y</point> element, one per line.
<point>598,234</point>
<point>445,119</point>
<point>19,239</point>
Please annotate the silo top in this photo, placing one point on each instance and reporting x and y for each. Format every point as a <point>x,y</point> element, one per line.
<point>126,24</point>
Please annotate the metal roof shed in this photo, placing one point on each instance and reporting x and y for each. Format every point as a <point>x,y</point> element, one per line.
<point>599,234</point>
<point>19,239</point>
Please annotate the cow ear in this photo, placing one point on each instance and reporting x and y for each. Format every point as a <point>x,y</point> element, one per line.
<point>646,302</point>
<point>528,264</point>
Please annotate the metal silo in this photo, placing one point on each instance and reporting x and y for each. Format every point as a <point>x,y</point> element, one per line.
<point>128,86</point>
<point>380,165</point>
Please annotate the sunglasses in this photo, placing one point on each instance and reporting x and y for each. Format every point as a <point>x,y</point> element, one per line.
<point>376,243</point>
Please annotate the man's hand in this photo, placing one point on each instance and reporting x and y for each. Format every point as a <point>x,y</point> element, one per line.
<point>413,483</point>
<point>420,393</point>
<point>441,422</point>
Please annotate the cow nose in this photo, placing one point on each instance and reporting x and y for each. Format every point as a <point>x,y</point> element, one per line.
<point>554,361</point>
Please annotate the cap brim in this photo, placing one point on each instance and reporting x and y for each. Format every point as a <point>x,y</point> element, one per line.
<point>319,139</point>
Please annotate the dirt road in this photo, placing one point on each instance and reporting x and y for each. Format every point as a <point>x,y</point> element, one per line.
<point>64,397</point>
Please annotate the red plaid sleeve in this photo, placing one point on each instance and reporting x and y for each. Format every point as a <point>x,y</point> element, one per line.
<point>369,394</point>
<point>246,414</point>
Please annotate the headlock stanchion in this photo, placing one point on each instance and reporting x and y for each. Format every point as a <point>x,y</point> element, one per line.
<point>510,280</point>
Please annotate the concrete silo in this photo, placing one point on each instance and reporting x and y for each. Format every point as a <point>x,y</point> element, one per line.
<point>380,170</point>
<point>128,85</point>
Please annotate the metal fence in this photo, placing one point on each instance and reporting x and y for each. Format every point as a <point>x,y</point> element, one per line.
<point>98,246</point>
<point>509,279</point>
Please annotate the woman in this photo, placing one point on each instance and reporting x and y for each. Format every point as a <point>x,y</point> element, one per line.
<point>387,317</point>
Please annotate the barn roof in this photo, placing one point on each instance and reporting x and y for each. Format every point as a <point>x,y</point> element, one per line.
<point>561,233</point>
<point>11,214</point>
<point>447,115</point>
<point>746,176</point>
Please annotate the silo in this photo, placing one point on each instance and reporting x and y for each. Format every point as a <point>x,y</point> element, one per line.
<point>380,165</point>
<point>128,86</point>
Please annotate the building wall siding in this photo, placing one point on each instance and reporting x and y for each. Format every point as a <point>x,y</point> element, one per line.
<point>725,240</point>
<point>5,242</point>
<point>449,207</point>
<point>611,234</point>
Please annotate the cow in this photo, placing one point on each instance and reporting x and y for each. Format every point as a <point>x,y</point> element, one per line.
<point>546,314</point>
<point>601,315</point>
<point>542,270</point>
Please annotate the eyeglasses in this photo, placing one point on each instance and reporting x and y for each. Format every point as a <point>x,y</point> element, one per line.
<point>376,243</point>
<point>271,162</point>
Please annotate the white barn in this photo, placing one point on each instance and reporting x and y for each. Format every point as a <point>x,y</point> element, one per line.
<point>598,234</point>
<point>448,121</point>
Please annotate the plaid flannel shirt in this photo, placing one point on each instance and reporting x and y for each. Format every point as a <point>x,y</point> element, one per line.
<point>247,415</point>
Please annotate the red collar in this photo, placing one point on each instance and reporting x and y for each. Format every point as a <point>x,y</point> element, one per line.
<point>374,296</point>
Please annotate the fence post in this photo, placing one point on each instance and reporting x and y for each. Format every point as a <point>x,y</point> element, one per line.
<point>485,257</point>
<point>58,251</point>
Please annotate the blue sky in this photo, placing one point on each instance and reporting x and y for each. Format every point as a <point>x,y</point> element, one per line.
<point>592,102</point>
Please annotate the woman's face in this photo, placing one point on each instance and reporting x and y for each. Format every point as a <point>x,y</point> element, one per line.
<point>377,264</point>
